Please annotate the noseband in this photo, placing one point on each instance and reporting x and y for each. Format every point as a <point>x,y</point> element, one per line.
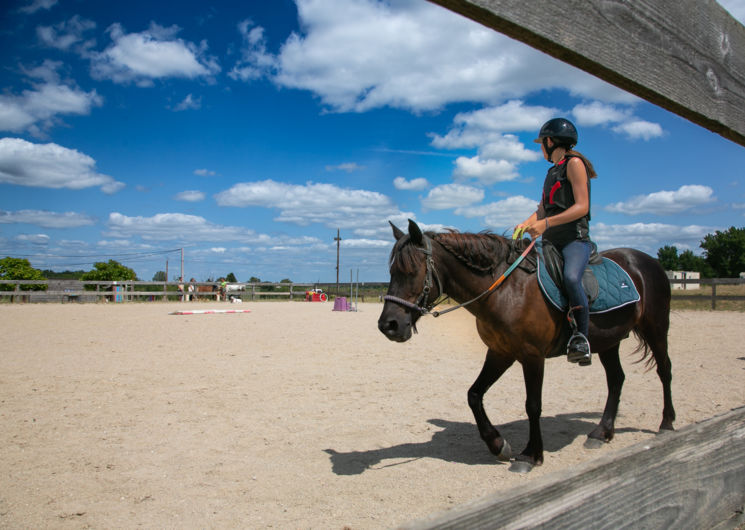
<point>421,305</point>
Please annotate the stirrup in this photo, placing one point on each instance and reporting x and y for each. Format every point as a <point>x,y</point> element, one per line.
<point>578,350</point>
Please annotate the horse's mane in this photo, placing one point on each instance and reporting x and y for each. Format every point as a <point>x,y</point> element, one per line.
<point>481,252</point>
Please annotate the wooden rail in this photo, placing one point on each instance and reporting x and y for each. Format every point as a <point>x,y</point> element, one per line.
<point>713,282</point>
<point>692,478</point>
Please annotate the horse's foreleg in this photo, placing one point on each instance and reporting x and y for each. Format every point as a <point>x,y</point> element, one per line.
<point>614,377</point>
<point>494,367</point>
<point>533,453</point>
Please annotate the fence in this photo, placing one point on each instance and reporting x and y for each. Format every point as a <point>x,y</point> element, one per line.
<point>709,281</point>
<point>128,291</point>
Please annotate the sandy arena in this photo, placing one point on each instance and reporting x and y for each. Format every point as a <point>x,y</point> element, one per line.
<point>295,416</point>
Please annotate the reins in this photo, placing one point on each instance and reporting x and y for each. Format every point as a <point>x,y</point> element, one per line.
<point>427,310</point>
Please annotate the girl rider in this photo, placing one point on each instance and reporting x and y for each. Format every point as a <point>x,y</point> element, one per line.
<point>562,218</point>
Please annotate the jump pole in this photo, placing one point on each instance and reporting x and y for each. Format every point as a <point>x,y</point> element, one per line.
<point>210,311</point>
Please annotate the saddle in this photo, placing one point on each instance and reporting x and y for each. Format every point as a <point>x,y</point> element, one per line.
<point>607,285</point>
<point>554,262</point>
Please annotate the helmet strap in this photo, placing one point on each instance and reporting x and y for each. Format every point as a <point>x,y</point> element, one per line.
<point>549,150</point>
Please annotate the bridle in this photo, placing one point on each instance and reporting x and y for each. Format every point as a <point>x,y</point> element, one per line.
<point>422,307</point>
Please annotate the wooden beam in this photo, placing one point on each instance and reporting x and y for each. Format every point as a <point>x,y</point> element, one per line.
<point>692,478</point>
<point>687,56</point>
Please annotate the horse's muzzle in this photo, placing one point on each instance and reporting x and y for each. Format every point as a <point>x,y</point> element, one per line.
<point>396,329</point>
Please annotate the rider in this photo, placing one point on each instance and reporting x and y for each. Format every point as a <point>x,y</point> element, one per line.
<point>562,218</point>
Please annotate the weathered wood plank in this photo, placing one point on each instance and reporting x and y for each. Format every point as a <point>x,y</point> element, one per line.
<point>687,56</point>
<point>692,478</point>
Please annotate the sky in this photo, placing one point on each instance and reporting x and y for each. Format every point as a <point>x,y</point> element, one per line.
<point>248,133</point>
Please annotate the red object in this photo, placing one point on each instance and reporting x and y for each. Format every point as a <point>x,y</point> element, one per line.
<point>311,296</point>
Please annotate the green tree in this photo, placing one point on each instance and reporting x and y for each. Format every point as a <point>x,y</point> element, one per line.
<point>159,276</point>
<point>689,261</point>
<point>111,271</point>
<point>254,279</point>
<point>231,278</point>
<point>20,269</point>
<point>724,252</point>
<point>668,257</point>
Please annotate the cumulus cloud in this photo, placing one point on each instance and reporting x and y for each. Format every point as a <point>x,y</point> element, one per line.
<point>325,204</point>
<point>68,35</point>
<point>485,171</point>
<point>640,129</point>
<point>190,196</point>
<point>177,227</point>
<point>46,219</point>
<point>189,103</point>
<point>155,53</point>
<point>502,214</point>
<point>358,55</point>
<point>255,61</point>
<point>451,196</point>
<point>50,166</point>
<point>37,109</point>
<point>684,199</point>
<point>648,237</point>
<point>416,184</point>
<point>36,5</point>
<point>204,172</point>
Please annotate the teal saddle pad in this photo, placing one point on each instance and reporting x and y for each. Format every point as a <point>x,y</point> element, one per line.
<point>617,289</point>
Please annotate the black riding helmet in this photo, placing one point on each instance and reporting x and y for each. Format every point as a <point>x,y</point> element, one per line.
<point>561,131</point>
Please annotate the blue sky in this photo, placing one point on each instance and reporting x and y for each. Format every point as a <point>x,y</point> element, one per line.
<point>246,133</point>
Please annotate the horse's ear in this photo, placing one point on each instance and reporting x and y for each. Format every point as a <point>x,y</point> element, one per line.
<point>415,233</point>
<point>397,232</point>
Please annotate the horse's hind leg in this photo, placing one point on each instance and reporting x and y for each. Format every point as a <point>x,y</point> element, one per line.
<point>494,367</point>
<point>614,377</point>
<point>657,341</point>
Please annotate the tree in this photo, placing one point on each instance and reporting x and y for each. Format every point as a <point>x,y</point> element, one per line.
<point>724,252</point>
<point>111,271</point>
<point>231,278</point>
<point>688,261</point>
<point>668,257</point>
<point>285,280</point>
<point>159,276</point>
<point>254,279</point>
<point>19,269</point>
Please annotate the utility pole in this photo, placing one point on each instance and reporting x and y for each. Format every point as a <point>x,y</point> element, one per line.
<point>338,242</point>
<point>182,264</point>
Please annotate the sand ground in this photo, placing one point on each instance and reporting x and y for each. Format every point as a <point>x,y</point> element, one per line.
<point>295,416</point>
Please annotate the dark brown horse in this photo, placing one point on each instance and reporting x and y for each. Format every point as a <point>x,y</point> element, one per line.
<point>517,323</point>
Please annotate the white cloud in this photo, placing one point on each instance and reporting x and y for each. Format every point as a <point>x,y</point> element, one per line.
<point>325,204</point>
<point>416,184</point>
<point>178,227</point>
<point>451,196</point>
<point>33,239</point>
<point>502,214</point>
<point>362,54</point>
<point>68,34</point>
<point>736,8</point>
<point>37,109</point>
<point>485,171</point>
<point>684,199</point>
<point>204,172</point>
<point>190,196</point>
<point>597,113</point>
<point>189,103</point>
<point>50,166</point>
<point>151,54</point>
<point>640,129</point>
<point>255,61</point>
<point>46,218</point>
<point>36,5</point>
<point>648,237</point>
<point>349,167</point>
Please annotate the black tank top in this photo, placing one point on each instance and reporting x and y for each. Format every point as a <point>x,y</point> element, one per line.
<point>558,196</point>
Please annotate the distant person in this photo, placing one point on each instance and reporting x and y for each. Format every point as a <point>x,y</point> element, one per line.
<point>563,219</point>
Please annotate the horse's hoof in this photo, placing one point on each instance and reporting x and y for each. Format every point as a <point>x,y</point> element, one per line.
<point>506,453</point>
<point>521,466</point>
<point>594,443</point>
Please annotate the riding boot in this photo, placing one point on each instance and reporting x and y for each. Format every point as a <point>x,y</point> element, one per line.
<point>578,347</point>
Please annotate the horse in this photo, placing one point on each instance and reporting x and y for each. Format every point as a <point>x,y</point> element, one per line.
<point>517,323</point>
